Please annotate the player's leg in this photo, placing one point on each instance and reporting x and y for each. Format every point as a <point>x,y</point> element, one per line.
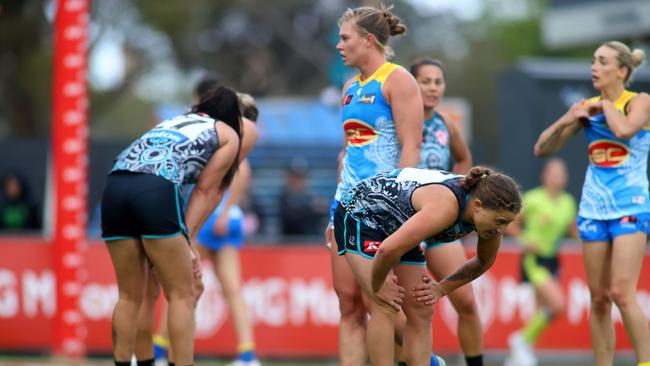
<point>549,298</point>
<point>227,269</point>
<point>443,260</point>
<point>144,345</point>
<point>129,260</point>
<point>417,336</point>
<point>172,259</point>
<point>380,336</point>
<point>354,314</point>
<point>551,303</point>
<point>597,257</point>
<point>627,258</point>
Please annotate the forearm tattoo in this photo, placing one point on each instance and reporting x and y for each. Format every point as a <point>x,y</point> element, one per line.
<point>466,272</point>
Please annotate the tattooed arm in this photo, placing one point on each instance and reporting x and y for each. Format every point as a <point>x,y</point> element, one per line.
<point>557,134</point>
<point>486,252</point>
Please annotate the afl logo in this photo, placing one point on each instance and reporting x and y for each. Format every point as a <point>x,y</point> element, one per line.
<point>607,153</point>
<point>359,133</point>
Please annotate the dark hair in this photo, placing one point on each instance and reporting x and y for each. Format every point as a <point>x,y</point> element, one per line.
<point>248,106</point>
<point>222,104</point>
<point>495,190</point>
<point>417,64</point>
<point>206,83</point>
<point>381,23</point>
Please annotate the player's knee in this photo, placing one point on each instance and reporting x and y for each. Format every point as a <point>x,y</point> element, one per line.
<point>417,311</point>
<point>601,301</point>
<point>465,305</point>
<point>351,307</point>
<point>152,294</point>
<point>622,297</point>
<point>229,289</point>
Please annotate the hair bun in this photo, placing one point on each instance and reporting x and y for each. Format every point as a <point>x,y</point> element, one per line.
<point>394,23</point>
<point>638,56</point>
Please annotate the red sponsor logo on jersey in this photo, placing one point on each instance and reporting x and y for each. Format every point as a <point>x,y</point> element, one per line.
<point>608,153</point>
<point>371,246</point>
<point>347,100</point>
<point>359,133</point>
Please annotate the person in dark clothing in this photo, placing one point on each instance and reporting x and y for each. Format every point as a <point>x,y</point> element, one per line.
<point>17,211</point>
<point>299,206</point>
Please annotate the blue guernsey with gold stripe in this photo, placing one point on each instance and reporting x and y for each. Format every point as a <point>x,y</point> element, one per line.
<point>616,183</point>
<point>373,146</point>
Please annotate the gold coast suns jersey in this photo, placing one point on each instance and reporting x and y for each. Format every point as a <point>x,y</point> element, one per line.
<point>373,146</point>
<point>616,182</point>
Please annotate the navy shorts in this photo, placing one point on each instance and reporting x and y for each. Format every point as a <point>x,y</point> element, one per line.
<point>137,205</point>
<point>355,237</point>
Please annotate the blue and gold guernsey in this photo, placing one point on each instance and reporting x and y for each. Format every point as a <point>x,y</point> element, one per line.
<point>435,152</point>
<point>176,149</point>
<point>373,146</point>
<point>616,183</point>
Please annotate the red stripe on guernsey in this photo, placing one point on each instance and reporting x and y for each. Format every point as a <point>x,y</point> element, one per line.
<point>359,133</point>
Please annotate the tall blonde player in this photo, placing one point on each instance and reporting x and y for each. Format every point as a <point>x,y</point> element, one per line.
<point>614,211</point>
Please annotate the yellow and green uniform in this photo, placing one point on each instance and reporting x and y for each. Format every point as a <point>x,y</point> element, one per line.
<point>546,221</point>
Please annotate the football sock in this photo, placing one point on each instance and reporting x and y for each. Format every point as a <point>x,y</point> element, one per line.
<point>474,360</point>
<point>535,326</point>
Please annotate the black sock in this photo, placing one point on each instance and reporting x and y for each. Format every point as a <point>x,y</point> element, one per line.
<point>474,360</point>
<point>171,364</point>
<point>401,363</point>
<point>145,362</point>
<point>122,363</point>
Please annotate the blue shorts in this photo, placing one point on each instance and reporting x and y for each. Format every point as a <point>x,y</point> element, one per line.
<point>333,205</point>
<point>234,237</point>
<point>607,230</point>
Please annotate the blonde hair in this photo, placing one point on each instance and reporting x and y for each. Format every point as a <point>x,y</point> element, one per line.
<point>629,59</point>
<point>248,106</point>
<point>381,23</point>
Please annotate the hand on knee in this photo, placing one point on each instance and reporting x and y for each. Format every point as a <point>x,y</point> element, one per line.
<point>198,288</point>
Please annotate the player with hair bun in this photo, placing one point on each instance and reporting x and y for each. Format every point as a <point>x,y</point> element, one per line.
<point>614,210</point>
<point>382,120</point>
<point>379,225</point>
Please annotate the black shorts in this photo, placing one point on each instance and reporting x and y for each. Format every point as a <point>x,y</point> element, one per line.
<point>355,237</point>
<point>539,268</point>
<point>136,205</point>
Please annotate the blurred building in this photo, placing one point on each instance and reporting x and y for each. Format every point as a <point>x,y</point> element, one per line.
<point>576,23</point>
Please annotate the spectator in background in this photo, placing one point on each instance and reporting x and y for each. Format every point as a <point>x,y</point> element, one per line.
<point>300,209</point>
<point>17,211</point>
